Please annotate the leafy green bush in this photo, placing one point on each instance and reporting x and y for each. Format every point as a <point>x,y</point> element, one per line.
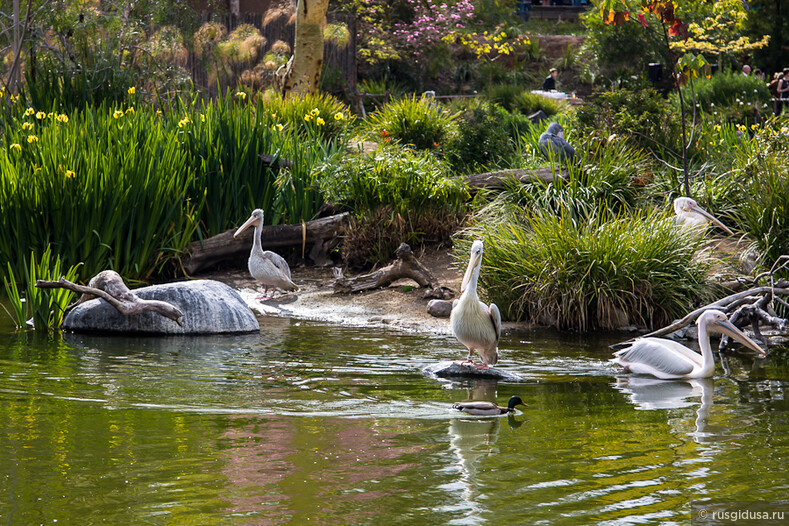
<point>514,98</point>
<point>418,122</point>
<point>726,89</point>
<point>320,115</point>
<point>642,116</point>
<point>397,195</point>
<point>597,273</point>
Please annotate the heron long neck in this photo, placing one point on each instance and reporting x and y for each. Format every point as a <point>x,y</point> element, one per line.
<point>707,361</point>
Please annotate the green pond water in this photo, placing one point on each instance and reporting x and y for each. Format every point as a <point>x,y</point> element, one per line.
<point>308,423</point>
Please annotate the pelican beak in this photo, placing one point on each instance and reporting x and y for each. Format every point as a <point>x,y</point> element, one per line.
<point>251,221</point>
<point>711,218</point>
<point>473,262</point>
<point>729,329</point>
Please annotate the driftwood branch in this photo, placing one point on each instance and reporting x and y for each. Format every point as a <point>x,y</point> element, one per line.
<point>321,235</point>
<point>108,285</point>
<point>498,178</point>
<point>405,266</point>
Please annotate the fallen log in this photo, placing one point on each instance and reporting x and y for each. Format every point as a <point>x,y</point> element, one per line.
<point>405,266</point>
<point>321,235</point>
<point>497,179</point>
<point>109,286</point>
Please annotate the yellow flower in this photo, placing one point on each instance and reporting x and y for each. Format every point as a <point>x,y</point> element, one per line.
<point>69,174</point>
<point>241,95</point>
<point>27,125</point>
<point>129,110</point>
<point>279,127</point>
<point>62,118</point>
<point>339,116</point>
<point>315,112</point>
<point>29,112</point>
<point>754,126</point>
<point>320,122</point>
<point>2,94</point>
<point>717,127</point>
<point>308,117</point>
<point>32,138</point>
<point>17,147</point>
<point>202,118</point>
<point>131,90</point>
<point>14,98</point>
<point>41,115</point>
<point>183,122</point>
<point>50,115</point>
<point>741,127</point>
<point>118,114</point>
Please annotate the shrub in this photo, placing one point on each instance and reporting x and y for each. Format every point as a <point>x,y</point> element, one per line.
<point>598,273</point>
<point>418,122</point>
<point>396,195</point>
<point>514,98</point>
<point>302,114</point>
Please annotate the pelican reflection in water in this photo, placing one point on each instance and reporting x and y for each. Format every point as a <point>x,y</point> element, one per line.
<point>476,325</point>
<point>669,359</point>
<point>266,267</point>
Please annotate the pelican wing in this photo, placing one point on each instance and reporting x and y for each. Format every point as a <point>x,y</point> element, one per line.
<point>495,318</point>
<point>279,262</point>
<point>656,354</point>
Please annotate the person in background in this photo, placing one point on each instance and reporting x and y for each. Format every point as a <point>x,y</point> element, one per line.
<point>550,81</point>
<point>783,89</point>
<point>746,70</point>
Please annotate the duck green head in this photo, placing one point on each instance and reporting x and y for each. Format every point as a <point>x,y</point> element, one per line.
<point>515,400</point>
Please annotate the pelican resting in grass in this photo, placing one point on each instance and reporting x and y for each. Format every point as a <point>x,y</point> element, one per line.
<point>668,359</point>
<point>476,325</point>
<point>690,215</point>
<point>488,408</point>
<point>553,145</point>
<point>268,268</point>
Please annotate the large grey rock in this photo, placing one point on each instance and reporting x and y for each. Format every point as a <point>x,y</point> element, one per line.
<point>209,307</point>
<point>456,370</point>
<point>439,308</point>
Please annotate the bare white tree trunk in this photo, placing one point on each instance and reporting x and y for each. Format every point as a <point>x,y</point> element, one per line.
<point>13,79</point>
<point>235,7</point>
<point>304,69</point>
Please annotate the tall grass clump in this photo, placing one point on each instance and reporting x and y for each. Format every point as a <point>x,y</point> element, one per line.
<point>598,273</point>
<point>515,99</point>
<point>46,307</point>
<point>418,122</point>
<point>396,195</point>
<point>727,89</point>
<point>320,115</point>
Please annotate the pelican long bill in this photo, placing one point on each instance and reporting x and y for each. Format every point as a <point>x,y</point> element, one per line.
<point>711,218</point>
<point>251,221</point>
<point>731,330</point>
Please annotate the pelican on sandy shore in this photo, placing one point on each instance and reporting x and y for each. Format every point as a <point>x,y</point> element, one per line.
<point>268,268</point>
<point>668,359</point>
<point>690,215</point>
<point>476,325</point>
<point>553,145</point>
<point>488,408</point>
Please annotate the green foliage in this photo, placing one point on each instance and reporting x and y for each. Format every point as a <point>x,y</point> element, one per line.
<point>418,122</point>
<point>732,97</point>
<point>302,114</point>
<point>642,116</point>
<point>397,195</point>
<point>514,98</point>
<point>486,137</point>
<point>46,306</point>
<point>585,274</point>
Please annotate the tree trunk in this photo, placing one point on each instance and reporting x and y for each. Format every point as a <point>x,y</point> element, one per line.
<point>304,68</point>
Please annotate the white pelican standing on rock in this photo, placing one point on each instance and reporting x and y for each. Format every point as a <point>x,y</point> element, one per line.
<point>690,215</point>
<point>268,268</point>
<point>476,325</point>
<point>668,359</point>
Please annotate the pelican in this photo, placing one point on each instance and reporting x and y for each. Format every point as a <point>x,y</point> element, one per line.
<point>476,325</point>
<point>488,408</point>
<point>268,268</point>
<point>668,359</point>
<point>690,215</point>
<point>553,145</point>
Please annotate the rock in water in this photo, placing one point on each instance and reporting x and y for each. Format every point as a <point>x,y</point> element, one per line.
<point>439,308</point>
<point>209,307</point>
<point>455,370</point>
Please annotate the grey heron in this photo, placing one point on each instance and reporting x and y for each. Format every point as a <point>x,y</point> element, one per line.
<point>553,145</point>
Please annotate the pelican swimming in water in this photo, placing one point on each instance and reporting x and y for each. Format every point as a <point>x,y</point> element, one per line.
<point>668,359</point>
<point>553,145</point>
<point>268,268</point>
<point>476,325</point>
<point>690,215</point>
<point>488,408</point>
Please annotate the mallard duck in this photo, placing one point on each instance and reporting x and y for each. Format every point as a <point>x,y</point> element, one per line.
<point>476,325</point>
<point>488,408</point>
<point>668,359</point>
<point>268,268</point>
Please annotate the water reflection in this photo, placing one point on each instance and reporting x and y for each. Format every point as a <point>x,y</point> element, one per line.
<point>650,394</point>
